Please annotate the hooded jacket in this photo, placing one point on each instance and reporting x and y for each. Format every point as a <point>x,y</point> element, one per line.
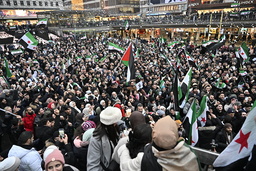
<point>30,158</point>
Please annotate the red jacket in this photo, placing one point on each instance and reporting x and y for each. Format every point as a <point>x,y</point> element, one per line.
<point>28,121</point>
<point>120,107</point>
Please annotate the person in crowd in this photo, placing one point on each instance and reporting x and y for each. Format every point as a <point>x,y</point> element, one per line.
<point>29,157</point>
<point>131,154</point>
<point>224,137</point>
<point>54,160</point>
<point>28,119</point>
<point>104,139</point>
<point>168,151</point>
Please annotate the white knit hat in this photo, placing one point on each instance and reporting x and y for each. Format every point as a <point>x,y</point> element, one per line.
<point>10,164</point>
<point>49,150</point>
<point>110,115</point>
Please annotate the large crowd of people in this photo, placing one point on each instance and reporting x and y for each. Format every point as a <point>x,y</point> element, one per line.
<point>67,104</point>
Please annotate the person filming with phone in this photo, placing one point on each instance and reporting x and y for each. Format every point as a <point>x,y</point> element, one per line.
<point>60,139</point>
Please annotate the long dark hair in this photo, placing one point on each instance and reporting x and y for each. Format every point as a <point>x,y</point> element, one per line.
<point>138,138</point>
<point>111,131</point>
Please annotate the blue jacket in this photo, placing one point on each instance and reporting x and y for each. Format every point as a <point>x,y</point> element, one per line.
<point>30,159</point>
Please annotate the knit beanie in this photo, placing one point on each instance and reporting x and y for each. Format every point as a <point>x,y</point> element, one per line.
<point>165,133</point>
<point>88,125</point>
<point>110,115</point>
<point>55,155</point>
<point>10,164</point>
<point>49,150</point>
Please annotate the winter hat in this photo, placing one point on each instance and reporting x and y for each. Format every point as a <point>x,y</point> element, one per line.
<point>165,133</point>
<point>55,155</point>
<point>88,125</point>
<point>88,134</point>
<point>10,164</point>
<point>110,115</point>
<point>50,105</point>
<point>231,110</point>
<point>48,150</point>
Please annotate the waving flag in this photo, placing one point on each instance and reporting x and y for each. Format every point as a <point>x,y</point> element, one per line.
<point>173,44</point>
<point>202,112</point>
<point>236,155</point>
<point>126,25</point>
<point>42,21</point>
<point>244,52</point>
<point>128,60</point>
<point>193,132</point>
<point>115,47</point>
<point>28,41</point>
<point>184,88</point>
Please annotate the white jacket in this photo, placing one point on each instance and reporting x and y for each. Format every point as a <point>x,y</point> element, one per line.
<point>126,162</point>
<point>30,159</point>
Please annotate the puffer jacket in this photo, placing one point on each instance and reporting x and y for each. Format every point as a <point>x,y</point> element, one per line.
<point>30,158</point>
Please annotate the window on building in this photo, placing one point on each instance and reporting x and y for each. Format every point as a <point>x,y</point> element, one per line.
<point>40,3</point>
<point>8,3</point>
<point>57,4</point>
<point>1,2</point>
<point>28,3</point>
<point>51,4</point>
<point>34,3</point>
<point>46,3</point>
<point>22,3</point>
<point>15,3</point>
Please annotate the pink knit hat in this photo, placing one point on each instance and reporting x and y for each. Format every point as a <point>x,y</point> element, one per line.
<point>55,155</point>
<point>88,125</point>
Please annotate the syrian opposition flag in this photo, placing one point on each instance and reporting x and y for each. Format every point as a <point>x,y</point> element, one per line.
<point>237,153</point>
<point>244,52</point>
<point>115,47</point>
<point>190,59</point>
<point>17,51</point>
<point>242,73</point>
<point>28,41</point>
<point>43,21</point>
<point>209,43</point>
<point>126,25</point>
<point>220,43</point>
<point>193,131</point>
<point>7,69</point>
<point>202,112</point>
<point>166,58</point>
<point>128,60</point>
<point>184,88</point>
<point>173,44</point>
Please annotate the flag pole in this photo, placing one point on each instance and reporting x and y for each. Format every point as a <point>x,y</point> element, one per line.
<point>7,112</point>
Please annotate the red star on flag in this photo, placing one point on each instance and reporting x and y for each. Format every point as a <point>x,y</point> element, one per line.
<point>243,140</point>
<point>29,42</point>
<point>203,119</point>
